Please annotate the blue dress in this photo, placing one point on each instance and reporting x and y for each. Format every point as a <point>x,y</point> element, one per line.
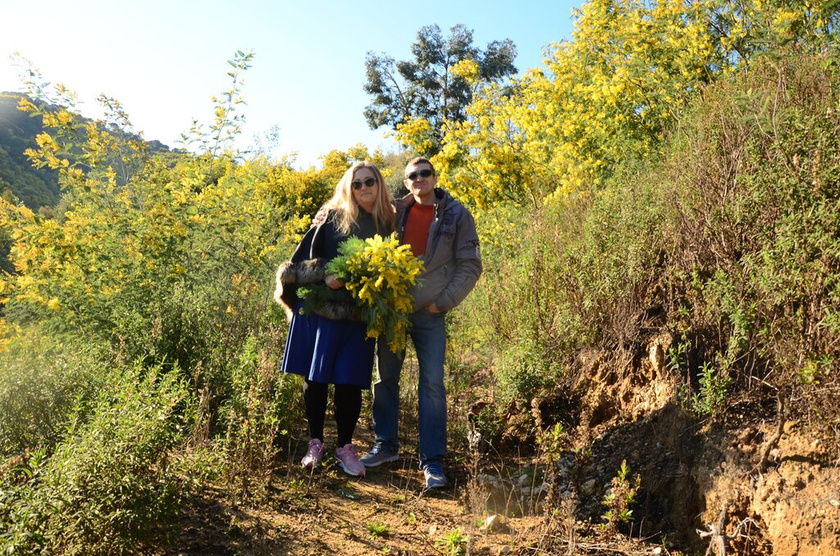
<point>329,351</point>
<point>324,350</point>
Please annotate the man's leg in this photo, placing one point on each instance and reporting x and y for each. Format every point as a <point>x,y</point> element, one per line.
<point>386,398</point>
<point>428,331</point>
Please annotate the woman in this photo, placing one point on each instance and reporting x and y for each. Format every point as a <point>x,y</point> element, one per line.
<point>331,347</point>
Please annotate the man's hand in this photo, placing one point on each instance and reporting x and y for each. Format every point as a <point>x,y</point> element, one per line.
<point>433,308</point>
<point>320,217</point>
<point>333,282</point>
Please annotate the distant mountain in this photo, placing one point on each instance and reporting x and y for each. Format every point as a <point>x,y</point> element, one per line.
<point>33,186</point>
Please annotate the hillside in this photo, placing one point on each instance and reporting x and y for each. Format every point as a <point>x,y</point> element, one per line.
<point>34,187</point>
<point>699,488</point>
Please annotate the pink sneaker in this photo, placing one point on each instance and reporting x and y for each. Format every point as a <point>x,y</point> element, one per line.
<point>314,454</point>
<point>348,459</point>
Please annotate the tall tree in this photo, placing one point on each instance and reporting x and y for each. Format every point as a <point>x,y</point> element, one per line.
<point>427,88</point>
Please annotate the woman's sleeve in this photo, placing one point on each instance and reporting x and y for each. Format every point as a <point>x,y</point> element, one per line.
<point>304,249</point>
<point>304,267</point>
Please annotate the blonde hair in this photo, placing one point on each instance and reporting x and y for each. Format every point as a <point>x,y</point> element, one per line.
<point>346,208</point>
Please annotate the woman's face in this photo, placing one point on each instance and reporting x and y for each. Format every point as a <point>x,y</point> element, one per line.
<point>365,189</point>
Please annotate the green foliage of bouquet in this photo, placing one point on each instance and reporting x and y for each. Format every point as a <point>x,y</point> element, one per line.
<point>378,273</point>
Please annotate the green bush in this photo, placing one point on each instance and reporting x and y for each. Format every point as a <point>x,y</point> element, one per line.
<point>585,273</point>
<point>520,317</point>
<point>616,259</point>
<point>43,382</point>
<point>755,263</point>
<point>728,239</point>
<point>522,373</point>
<point>107,488</point>
<point>263,405</point>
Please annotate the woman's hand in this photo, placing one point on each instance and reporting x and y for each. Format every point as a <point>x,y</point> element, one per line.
<point>333,282</point>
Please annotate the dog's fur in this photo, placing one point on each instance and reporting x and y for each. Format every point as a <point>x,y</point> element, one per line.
<point>311,271</point>
<point>291,275</point>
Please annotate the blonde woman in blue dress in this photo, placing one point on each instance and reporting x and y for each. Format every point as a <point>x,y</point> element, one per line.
<point>329,344</point>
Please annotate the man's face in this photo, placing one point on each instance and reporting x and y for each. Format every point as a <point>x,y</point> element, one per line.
<point>420,180</point>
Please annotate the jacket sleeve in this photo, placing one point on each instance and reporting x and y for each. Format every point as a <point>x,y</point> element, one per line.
<point>467,264</point>
<point>302,268</point>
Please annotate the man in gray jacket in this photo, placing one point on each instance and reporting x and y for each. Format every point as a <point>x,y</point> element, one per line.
<point>442,232</point>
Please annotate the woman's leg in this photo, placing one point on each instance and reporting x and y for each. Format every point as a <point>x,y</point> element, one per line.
<point>315,401</point>
<point>348,406</point>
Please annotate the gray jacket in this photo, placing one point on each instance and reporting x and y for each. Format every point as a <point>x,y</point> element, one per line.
<point>452,259</point>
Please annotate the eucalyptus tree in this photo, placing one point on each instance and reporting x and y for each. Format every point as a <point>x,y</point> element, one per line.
<point>426,87</point>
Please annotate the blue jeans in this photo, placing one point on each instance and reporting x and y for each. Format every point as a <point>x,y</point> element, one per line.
<point>428,334</point>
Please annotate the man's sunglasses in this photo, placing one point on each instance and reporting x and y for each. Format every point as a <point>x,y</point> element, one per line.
<point>424,173</point>
<point>369,182</point>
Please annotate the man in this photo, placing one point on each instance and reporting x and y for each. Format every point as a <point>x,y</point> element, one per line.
<point>442,232</point>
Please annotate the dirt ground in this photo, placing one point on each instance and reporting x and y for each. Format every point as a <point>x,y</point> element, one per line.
<point>749,485</point>
<point>387,512</point>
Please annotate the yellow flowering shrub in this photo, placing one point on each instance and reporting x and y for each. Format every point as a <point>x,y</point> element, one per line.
<point>601,98</point>
<point>416,134</point>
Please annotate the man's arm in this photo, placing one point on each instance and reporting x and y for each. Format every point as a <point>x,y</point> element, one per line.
<point>468,266</point>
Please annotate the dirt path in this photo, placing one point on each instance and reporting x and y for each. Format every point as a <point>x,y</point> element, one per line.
<point>325,511</point>
<point>388,509</point>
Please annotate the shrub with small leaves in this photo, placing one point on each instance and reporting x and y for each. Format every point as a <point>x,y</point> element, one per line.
<point>620,497</point>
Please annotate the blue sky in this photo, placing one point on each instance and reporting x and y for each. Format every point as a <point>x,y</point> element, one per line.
<point>165,59</point>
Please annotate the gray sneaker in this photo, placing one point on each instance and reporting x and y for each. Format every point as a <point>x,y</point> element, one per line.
<point>378,455</point>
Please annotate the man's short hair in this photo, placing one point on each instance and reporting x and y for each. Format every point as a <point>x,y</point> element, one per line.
<point>420,160</point>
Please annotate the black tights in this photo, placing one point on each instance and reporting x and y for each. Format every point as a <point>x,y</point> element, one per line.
<point>347,404</point>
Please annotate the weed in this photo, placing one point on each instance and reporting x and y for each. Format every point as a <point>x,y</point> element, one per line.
<point>107,488</point>
<point>44,384</point>
<point>253,419</point>
<point>377,529</point>
<point>551,443</point>
<point>677,356</point>
<point>454,543</point>
<point>711,398</point>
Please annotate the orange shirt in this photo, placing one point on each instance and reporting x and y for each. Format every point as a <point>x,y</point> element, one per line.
<point>417,227</point>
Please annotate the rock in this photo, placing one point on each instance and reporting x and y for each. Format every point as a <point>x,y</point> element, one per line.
<point>475,440</point>
<point>588,488</point>
<point>488,480</point>
<point>656,355</point>
<point>492,523</point>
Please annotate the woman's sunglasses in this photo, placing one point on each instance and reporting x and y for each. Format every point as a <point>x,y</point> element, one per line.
<point>424,173</point>
<point>369,182</point>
